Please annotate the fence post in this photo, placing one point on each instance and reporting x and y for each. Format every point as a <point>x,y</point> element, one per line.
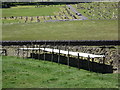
<point>27,51</point>
<point>78,62</point>
<point>68,55</point>
<point>23,52</point>
<point>92,64</point>
<point>88,62</point>
<point>68,59</point>
<point>44,51</point>
<point>103,64</point>
<point>36,49</point>
<point>39,52</point>
<point>52,54</point>
<point>32,51</point>
<point>103,60</point>
<point>52,58</point>
<point>82,60</point>
<point>59,56</point>
<point>92,59</point>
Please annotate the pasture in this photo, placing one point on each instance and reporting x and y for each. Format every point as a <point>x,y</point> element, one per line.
<point>28,73</point>
<point>101,24</point>
<point>69,30</point>
<point>29,11</point>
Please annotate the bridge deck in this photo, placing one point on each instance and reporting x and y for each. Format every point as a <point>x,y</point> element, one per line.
<point>65,52</point>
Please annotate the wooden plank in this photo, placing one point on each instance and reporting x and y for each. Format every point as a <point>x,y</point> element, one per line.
<point>66,52</point>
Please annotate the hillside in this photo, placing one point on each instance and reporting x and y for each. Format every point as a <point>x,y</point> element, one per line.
<point>28,73</point>
<point>98,10</point>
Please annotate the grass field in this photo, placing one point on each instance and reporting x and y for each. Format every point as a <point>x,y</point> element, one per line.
<point>74,30</point>
<point>28,73</point>
<point>29,11</point>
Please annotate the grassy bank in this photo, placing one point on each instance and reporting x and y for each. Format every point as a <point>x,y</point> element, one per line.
<point>74,30</point>
<point>24,73</point>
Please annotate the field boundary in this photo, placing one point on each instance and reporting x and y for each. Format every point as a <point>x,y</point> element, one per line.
<point>64,42</point>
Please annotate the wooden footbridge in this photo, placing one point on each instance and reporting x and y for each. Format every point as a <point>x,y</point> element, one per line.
<point>58,51</point>
<point>98,56</point>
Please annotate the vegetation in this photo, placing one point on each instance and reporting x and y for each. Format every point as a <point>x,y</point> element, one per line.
<point>11,4</point>
<point>69,30</point>
<point>28,73</point>
<point>29,11</point>
<point>98,10</point>
<point>39,12</point>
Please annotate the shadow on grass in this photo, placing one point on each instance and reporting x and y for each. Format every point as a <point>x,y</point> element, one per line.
<point>74,62</point>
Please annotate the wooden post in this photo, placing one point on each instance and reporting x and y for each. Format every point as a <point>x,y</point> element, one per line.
<point>52,58</point>
<point>81,59</point>
<point>52,54</point>
<point>23,52</point>
<point>92,59</point>
<point>27,51</point>
<point>78,62</point>
<point>103,60</point>
<point>104,55</point>
<point>39,52</point>
<point>44,51</point>
<point>68,55</point>
<point>68,61</point>
<point>88,62</point>
<point>59,56</point>
<point>92,63</point>
<point>32,50</point>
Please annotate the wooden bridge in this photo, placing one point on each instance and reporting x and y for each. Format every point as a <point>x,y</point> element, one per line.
<point>98,56</point>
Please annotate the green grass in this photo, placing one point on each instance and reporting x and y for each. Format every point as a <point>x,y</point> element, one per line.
<point>10,21</point>
<point>74,30</point>
<point>29,11</point>
<point>28,73</point>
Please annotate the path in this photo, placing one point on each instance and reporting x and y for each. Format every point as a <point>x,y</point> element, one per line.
<point>77,13</point>
<point>63,20</point>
